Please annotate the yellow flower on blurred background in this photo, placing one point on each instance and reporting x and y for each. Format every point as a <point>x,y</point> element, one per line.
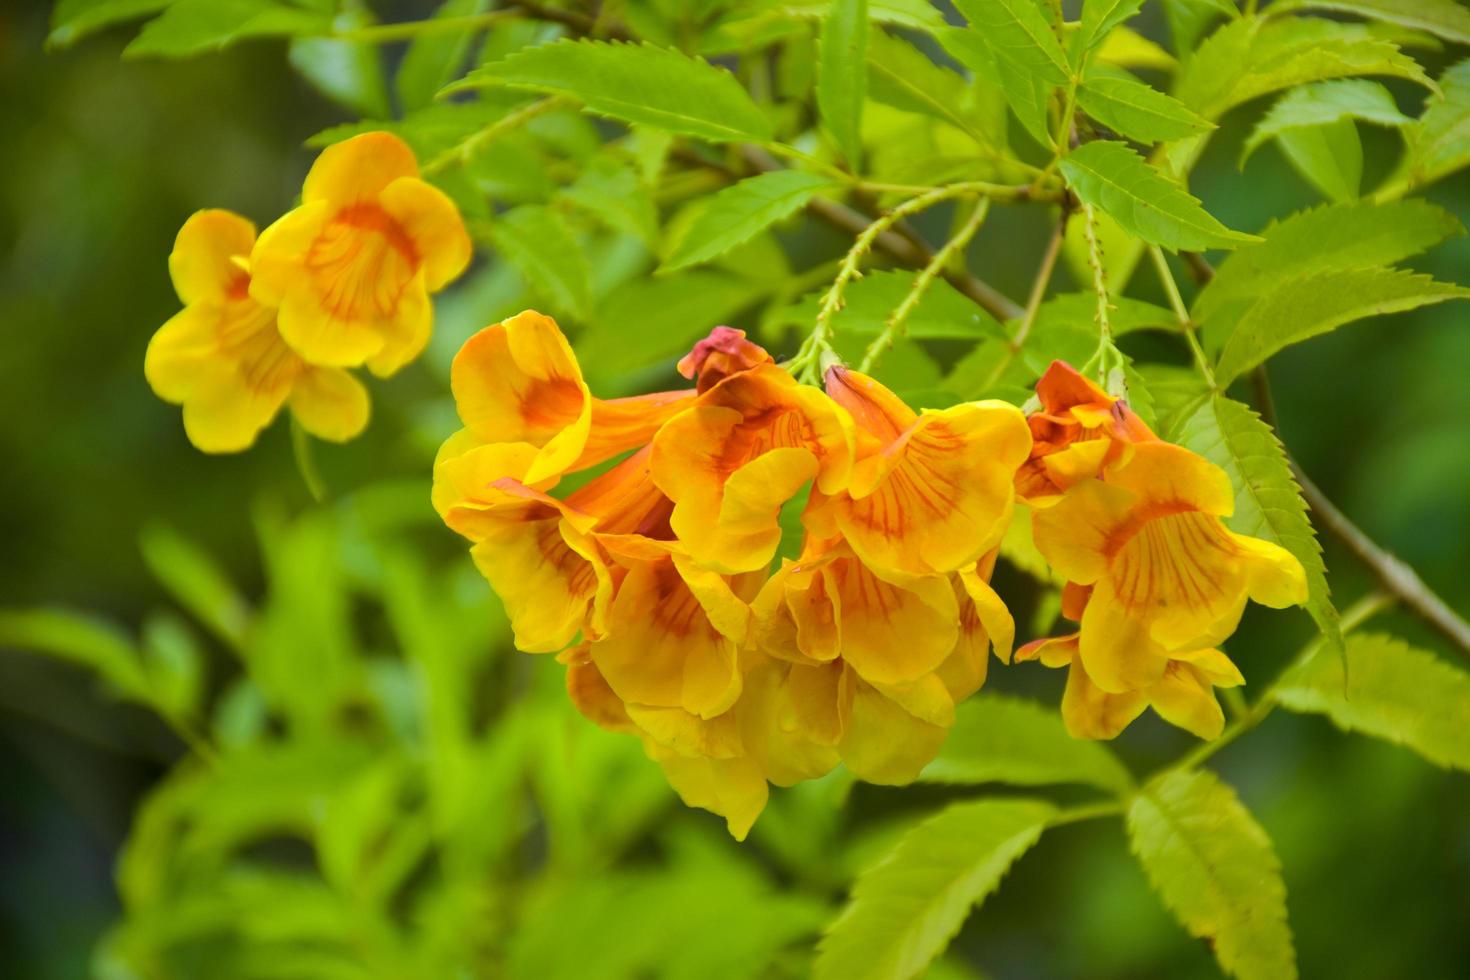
<point>222,357</point>
<point>352,268</point>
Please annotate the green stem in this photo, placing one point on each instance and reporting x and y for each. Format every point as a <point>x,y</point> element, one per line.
<point>1091,811</point>
<point>1040,283</point>
<point>898,322</point>
<point>1099,285</point>
<point>388,33</point>
<point>1181,312</point>
<point>301,448</point>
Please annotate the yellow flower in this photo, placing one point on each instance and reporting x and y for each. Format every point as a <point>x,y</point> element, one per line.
<point>1078,430</point>
<point>222,356</point>
<point>1168,578</point>
<point>931,491</point>
<point>352,268</point>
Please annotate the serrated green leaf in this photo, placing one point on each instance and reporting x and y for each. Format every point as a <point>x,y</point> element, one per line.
<point>635,83</point>
<point>196,582</point>
<point>190,27</point>
<point>742,210</point>
<point>537,241</point>
<point>1215,869</point>
<point>842,75</point>
<point>1026,92</point>
<point>1392,691</point>
<point>1319,303</point>
<point>78,639</point>
<point>1020,35</point>
<point>434,59</point>
<point>1248,58</point>
<point>1342,236</point>
<point>1439,144</point>
<point>905,909</point>
<point>1268,503</point>
<point>1325,103</point>
<point>1000,739</point>
<point>615,194</point>
<point>1138,111</point>
<point>72,20</point>
<point>1099,17</point>
<point>902,76</point>
<point>1444,18</point>
<point>1330,157</point>
<point>1111,176</point>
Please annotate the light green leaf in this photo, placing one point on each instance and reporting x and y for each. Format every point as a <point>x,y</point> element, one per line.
<point>1268,503</point>
<point>1138,111</point>
<point>79,639</point>
<point>1325,103</point>
<point>433,60</point>
<point>1343,236</point>
<point>1000,739</point>
<point>174,664</point>
<point>615,194</point>
<point>943,313</point>
<point>349,73</point>
<point>1317,304</point>
<point>1440,143</point>
<point>905,909</point>
<point>538,242</point>
<point>196,582</point>
<point>1099,17</point>
<point>1445,18</point>
<point>651,321</point>
<point>842,75</point>
<point>1019,34</point>
<point>1330,157</point>
<point>1111,176</point>
<point>635,83</point>
<point>1392,691</point>
<point>1216,870</point>
<point>1025,91</point>
<point>902,76</point>
<point>742,210</point>
<point>1247,59</point>
<point>191,27</point>
<point>72,20</point>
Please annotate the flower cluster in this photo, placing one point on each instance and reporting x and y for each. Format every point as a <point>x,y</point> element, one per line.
<point>1155,581</point>
<point>339,282</point>
<point>638,539</point>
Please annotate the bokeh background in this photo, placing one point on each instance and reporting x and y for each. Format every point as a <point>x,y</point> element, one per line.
<point>101,160</point>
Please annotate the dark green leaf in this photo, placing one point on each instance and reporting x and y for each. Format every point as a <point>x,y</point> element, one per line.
<point>72,20</point>
<point>196,581</point>
<point>433,60</point>
<point>1324,103</point>
<point>191,27</point>
<point>1330,157</point>
<point>742,210</point>
<point>537,242</point>
<point>80,639</point>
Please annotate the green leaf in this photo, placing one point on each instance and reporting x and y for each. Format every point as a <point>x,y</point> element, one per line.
<point>1025,92</point>
<point>1440,143</point>
<point>742,210</point>
<point>537,241</point>
<point>943,313</point>
<point>636,83</point>
<point>1342,236</point>
<point>1216,870</point>
<point>902,76</point>
<point>1000,739</point>
<point>174,664</point>
<point>1444,18</point>
<point>196,582</point>
<point>1268,503</point>
<point>1099,17</point>
<point>905,909</point>
<point>1392,691</point>
<point>1330,157</point>
<point>78,639</point>
<point>190,27</point>
<point>1111,176</point>
<point>842,75</point>
<point>1019,34</point>
<point>614,193</point>
<point>349,73</point>
<point>1325,103</point>
<point>1319,303</point>
<point>433,60</point>
<point>1138,111</point>
<point>72,20</point>
<point>1247,59</point>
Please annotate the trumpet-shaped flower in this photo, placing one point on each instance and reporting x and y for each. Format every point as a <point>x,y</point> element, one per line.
<point>930,491</point>
<point>1078,430</point>
<point>1167,576</point>
<point>222,356</point>
<point>352,268</point>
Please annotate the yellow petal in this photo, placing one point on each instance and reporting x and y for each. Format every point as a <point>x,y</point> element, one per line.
<point>278,259</point>
<point>406,333</point>
<point>1184,697</point>
<point>1214,665</point>
<point>184,356</point>
<point>1052,651</point>
<point>593,697</point>
<point>893,634</point>
<point>330,404</point>
<point>432,222</point>
<point>1090,712</point>
<point>789,719</point>
<point>991,610</point>
<point>689,734</point>
<point>1162,474</point>
<point>1115,646</point>
<point>1076,534</point>
<point>551,580</point>
<point>358,169</point>
<point>204,263</point>
<point>1275,577</point>
<point>228,418</point>
<point>1182,575</point>
<point>882,742</point>
<point>732,788</point>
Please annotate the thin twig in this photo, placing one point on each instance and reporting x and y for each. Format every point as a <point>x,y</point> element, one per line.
<point>1181,313</point>
<point>898,321</point>
<point>1041,282</point>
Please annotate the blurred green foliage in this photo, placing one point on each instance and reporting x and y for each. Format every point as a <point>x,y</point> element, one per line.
<point>380,786</point>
